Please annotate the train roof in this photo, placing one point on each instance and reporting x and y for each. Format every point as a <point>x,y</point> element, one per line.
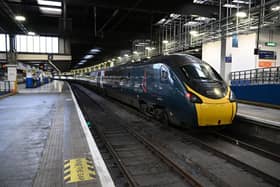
<point>172,60</point>
<point>175,60</point>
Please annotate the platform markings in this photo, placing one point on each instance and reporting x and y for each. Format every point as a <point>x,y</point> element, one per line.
<point>78,169</point>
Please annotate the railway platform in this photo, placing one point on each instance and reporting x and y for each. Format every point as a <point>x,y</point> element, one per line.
<point>45,141</point>
<point>260,114</point>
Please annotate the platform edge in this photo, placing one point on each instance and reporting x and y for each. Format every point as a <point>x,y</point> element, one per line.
<point>102,171</point>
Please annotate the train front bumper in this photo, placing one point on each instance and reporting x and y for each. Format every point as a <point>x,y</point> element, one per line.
<point>214,114</point>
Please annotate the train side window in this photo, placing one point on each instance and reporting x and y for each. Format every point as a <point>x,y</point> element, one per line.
<point>163,73</point>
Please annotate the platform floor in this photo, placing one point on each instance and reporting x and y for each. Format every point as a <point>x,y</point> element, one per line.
<point>257,113</point>
<point>52,87</point>
<point>43,142</point>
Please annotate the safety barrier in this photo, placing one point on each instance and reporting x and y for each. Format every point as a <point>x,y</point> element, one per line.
<point>259,86</point>
<point>256,76</point>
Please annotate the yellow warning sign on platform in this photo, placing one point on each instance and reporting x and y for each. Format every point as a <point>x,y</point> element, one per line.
<point>79,169</point>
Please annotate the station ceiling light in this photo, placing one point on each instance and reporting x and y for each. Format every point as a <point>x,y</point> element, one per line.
<point>275,8</point>
<point>241,2</point>
<point>201,18</point>
<point>49,3</point>
<point>192,23</point>
<point>253,27</point>
<point>94,51</point>
<point>119,57</point>
<point>148,48</point>
<point>241,14</point>
<point>174,16</point>
<point>161,21</point>
<point>165,41</point>
<point>88,57</point>
<point>135,52</point>
<point>31,33</point>
<point>126,55</point>
<point>227,5</point>
<point>48,10</point>
<point>20,18</point>
<point>54,7</point>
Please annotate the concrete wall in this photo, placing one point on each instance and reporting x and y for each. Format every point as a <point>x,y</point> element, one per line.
<point>211,53</point>
<point>243,57</point>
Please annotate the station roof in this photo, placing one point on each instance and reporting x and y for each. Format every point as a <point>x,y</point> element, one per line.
<point>110,25</point>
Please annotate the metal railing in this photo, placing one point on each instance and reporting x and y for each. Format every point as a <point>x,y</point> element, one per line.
<point>178,33</point>
<point>256,76</point>
<point>5,87</point>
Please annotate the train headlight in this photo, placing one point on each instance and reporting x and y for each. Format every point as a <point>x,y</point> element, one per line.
<point>193,98</point>
<point>232,97</point>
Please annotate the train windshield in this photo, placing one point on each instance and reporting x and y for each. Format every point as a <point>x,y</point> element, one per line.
<point>200,72</point>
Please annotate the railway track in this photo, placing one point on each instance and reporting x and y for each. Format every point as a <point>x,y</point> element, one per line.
<point>141,162</point>
<point>206,143</point>
<point>236,140</point>
<point>192,138</point>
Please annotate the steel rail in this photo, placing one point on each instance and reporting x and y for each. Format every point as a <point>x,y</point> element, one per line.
<point>155,150</point>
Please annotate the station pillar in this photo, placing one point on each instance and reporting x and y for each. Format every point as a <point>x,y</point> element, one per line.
<point>225,58</point>
<point>12,66</point>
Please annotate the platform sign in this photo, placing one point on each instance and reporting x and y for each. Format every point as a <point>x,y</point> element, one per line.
<point>78,169</point>
<point>228,59</point>
<point>269,55</point>
<point>267,58</point>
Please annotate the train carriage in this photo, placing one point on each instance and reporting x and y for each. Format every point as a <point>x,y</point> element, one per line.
<point>178,89</point>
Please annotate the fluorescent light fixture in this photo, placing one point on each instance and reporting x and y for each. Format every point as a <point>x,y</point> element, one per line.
<point>199,1</point>
<point>253,27</point>
<point>201,18</point>
<point>194,33</point>
<point>276,8</point>
<point>119,57</point>
<point>126,55</point>
<point>168,21</point>
<point>192,23</point>
<point>94,51</point>
<point>174,16</point>
<point>240,2</point>
<point>49,3</point>
<point>230,6</point>
<point>153,48</point>
<point>165,41</point>
<point>31,33</point>
<point>83,61</point>
<point>20,18</point>
<point>48,10</point>
<point>161,21</point>
<point>135,52</point>
<point>241,14</point>
<point>88,57</point>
